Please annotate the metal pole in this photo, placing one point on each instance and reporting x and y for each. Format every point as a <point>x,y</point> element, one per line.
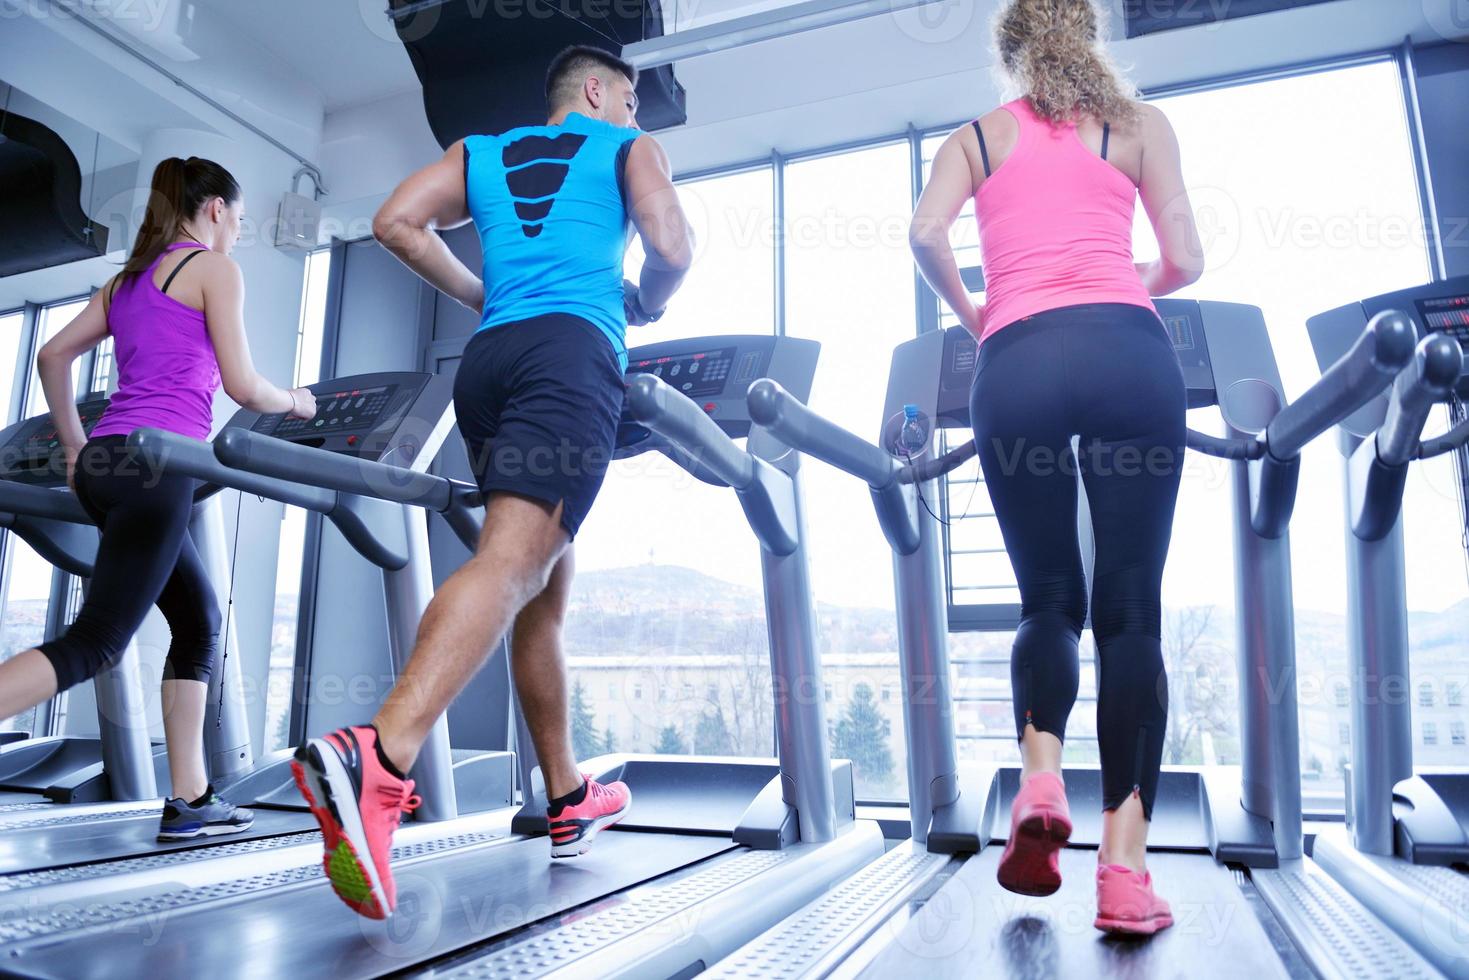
<point>1265,628</point>
<point>408,591</point>
<point>795,669</point>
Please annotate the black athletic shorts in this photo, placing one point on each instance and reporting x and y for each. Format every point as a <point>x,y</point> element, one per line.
<point>538,402</point>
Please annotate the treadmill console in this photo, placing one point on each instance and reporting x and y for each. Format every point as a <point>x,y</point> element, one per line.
<point>364,415</point>
<point>30,450</point>
<point>1183,320</point>
<point>1450,315</point>
<point>956,376</point>
<point>715,373</point>
<point>1437,307</point>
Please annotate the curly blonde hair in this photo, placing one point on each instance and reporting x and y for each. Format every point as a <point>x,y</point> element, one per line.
<point>1051,51</point>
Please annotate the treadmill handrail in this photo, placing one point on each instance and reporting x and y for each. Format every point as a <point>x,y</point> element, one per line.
<point>34,501</point>
<point>1237,448</point>
<point>1428,380</point>
<point>932,469</point>
<point>1445,442</point>
<point>195,458</point>
<point>794,423</point>
<point>255,452</point>
<point>676,418</point>
<point>1384,348</point>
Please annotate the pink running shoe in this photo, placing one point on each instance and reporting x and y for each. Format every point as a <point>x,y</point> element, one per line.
<point>1126,904</point>
<point>573,828</point>
<point>1040,825</point>
<point>358,804</point>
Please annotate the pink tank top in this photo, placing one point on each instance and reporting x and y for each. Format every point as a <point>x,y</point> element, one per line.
<point>1055,226</point>
<point>167,373</point>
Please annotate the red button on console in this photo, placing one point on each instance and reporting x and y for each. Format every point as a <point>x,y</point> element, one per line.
<point>710,407</point>
<point>351,440</point>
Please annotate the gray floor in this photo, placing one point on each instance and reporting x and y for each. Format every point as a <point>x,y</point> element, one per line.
<point>974,928</point>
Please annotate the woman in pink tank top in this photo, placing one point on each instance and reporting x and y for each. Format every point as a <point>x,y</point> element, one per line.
<point>175,314</point>
<point>1076,375</point>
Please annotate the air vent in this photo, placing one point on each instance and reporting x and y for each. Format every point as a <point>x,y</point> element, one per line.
<point>483,65</point>
<point>41,218</point>
<point>1153,16</point>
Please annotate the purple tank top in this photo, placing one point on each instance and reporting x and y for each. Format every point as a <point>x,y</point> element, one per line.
<point>166,369</point>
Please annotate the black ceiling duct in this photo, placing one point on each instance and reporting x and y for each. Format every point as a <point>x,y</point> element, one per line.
<point>1150,16</point>
<point>41,218</point>
<point>483,62</point>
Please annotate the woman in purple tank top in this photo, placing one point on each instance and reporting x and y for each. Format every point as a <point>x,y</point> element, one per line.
<point>1071,348</point>
<point>176,317</point>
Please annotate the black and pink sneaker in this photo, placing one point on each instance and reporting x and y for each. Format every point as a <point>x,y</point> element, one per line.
<point>574,826</point>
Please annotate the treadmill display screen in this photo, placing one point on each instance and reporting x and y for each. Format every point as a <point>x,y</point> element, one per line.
<point>357,409</point>
<point>697,375</point>
<point>1447,314</point>
<point>1180,331</point>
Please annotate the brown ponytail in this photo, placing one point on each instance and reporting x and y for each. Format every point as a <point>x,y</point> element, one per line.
<point>1052,51</point>
<point>179,190</point>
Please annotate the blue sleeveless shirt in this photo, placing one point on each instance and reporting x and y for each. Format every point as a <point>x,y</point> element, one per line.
<point>548,204</point>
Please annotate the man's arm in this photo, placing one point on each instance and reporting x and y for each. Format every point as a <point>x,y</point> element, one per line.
<point>429,201</point>
<point>652,202</point>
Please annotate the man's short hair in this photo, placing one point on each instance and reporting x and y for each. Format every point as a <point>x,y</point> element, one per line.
<point>570,67</point>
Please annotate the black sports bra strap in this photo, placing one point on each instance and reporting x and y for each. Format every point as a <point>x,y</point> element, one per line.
<point>984,153</point>
<point>178,268</point>
<point>1106,134</point>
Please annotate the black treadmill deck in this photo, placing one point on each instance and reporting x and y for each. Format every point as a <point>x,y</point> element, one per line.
<point>973,927</point>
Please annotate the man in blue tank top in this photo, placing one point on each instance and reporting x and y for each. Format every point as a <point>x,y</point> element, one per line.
<point>538,395</point>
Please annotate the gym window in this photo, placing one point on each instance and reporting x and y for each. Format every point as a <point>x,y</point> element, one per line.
<point>290,557</point>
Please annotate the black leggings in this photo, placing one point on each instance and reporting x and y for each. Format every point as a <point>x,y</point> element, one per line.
<point>1107,374</point>
<point>145,556</point>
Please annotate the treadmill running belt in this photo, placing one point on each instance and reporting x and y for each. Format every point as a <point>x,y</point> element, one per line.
<point>37,847</point>
<point>293,926</point>
<point>972,920</point>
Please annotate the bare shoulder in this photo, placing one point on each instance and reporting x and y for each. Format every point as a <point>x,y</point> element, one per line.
<point>1000,121</point>
<point>648,151</point>
<point>217,269</point>
<point>1153,122</point>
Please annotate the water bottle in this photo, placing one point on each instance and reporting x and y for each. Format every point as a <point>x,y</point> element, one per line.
<point>911,438</point>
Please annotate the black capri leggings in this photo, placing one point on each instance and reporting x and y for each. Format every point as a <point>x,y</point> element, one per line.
<point>145,556</point>
<point>1105,373</point>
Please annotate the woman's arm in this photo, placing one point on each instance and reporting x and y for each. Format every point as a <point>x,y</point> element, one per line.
<point>950,184</point>
<point>53,366</point>
<point>224,312</point>
<point>407,224</point>
<point>1165,198</point>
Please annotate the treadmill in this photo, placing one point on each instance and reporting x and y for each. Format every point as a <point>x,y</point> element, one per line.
<point>1405,849</point>
<point>116,764</point>
<point>715,850</point>
<point>1225,841</point>
<point>364,417</point>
